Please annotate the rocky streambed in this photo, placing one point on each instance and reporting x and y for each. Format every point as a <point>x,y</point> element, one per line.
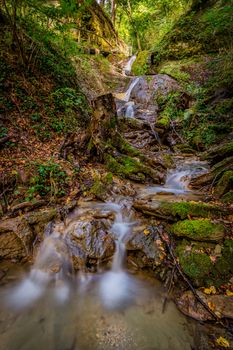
<point>95,265</point>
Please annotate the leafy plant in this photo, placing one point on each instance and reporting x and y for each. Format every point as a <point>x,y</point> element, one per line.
<point>50,180</point>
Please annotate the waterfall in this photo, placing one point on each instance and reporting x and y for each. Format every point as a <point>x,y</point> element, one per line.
<point>126,96</point>
<point>128,67</point>
<point>129,113</point>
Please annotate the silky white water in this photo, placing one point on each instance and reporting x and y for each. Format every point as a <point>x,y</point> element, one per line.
<point>128,67</point>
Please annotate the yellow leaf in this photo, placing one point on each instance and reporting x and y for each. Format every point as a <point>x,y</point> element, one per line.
<point>146,232</point>
<point>223,342</point>
<point>229,293</point>
<point>211,290</point>
<point>211,306</point>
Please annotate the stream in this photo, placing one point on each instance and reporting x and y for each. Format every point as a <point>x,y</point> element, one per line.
<point>51,307</point>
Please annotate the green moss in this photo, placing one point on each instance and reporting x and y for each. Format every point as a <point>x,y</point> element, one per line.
<point>176,70</point>
<point>126,148</point>
<point>163,121</point>
<point>181,210</point>
<point>224,267</point>
<point>168,161</point>
<point>184,148</point>
<point>195,263</point>
<point>101,185</point>
<point>199,230</point>
<point>140,65</point>
<point>125,167</point>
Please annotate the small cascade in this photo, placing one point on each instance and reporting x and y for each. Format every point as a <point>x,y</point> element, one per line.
<point>52,265</point>
<point>129,113</point>
<point>178,179</point>
<point>126,96</point>
<point>128,67</point>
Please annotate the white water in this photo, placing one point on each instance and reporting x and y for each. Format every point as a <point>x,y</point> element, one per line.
<point>128,67</point>
<point>129,113</point>
<point>126,96</point>
<point>178,179</point>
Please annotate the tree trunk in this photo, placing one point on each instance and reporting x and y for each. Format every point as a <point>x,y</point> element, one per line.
<point>113,11</point>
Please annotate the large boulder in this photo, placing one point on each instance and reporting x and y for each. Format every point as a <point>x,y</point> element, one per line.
<point>90,242</point>
<point>18,234</point>
<point>222,305</point>
<point>145,248</point>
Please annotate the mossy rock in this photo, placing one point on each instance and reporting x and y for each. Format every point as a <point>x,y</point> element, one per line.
<point>142,64</point>
<point>184,148</point>
<point>196,264</point>
<point>102,186</point>
<point>174,211</point>
<point>199,267</point>
<point>182,210</point>
<point>199,230</point>
<point>131,168</point>
<point>163,122</point>
<point>224,266</point>
<point>224,184</point>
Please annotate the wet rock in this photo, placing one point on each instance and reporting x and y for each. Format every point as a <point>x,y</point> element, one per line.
<point>144,247</point>
<point>199,230</point>
<point>174,211</point>
<point>224,184</point>
<point>90,242</point>
<point>222,305</point>
<point>17,234</point>
<point>148,88</point>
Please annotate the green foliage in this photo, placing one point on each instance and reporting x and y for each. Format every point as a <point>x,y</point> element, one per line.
<point>3,131</point>
<point>50,180</point>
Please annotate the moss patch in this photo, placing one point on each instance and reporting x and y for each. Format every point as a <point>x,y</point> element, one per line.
<point>163,122</point>
<point>140,65</point>
<point>198,266</point>
<point>181,210</point>
<point>199,230</point>
<point>102,185</point>
<point>195,263</point>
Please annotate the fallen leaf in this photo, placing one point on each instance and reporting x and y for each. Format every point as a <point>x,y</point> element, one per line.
<point>146,232</point>
<point>229,293</point>
<point>210,290</point>
<point>223,342</point>
<point>211,306</point>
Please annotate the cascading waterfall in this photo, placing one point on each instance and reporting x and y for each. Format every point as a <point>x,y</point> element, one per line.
<point>52,264</point>
<point>126,96</point>
<point>128,67</point>
<point>178,179</point>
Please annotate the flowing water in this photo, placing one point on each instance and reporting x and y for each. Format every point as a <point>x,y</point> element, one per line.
<point>128,67</point>
<point>51,307</point>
